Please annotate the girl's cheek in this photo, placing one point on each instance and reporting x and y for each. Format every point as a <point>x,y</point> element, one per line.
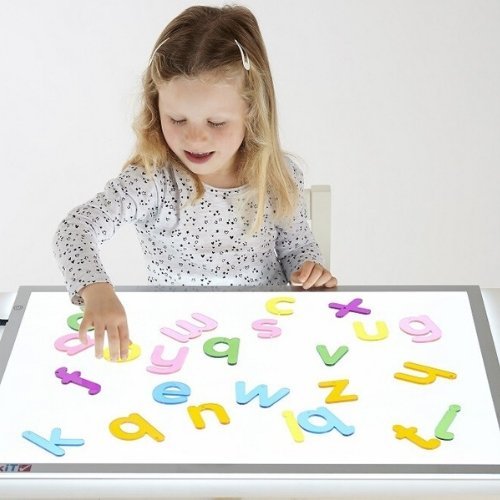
<point>170,134</point>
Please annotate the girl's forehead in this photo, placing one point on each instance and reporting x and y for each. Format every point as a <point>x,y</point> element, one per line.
<point>206,81</point>
<point>201,91</point>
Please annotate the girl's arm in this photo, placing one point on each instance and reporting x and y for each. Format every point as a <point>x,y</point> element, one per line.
<point>130,197</point>
<point>297,250</point>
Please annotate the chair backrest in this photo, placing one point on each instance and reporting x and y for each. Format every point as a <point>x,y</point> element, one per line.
<point>319,203</point>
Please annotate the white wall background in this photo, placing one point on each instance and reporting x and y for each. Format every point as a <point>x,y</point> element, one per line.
<point>395,103</point>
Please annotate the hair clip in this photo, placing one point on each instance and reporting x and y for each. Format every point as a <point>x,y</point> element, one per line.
<point>244,57</point>
<point>155,51</point>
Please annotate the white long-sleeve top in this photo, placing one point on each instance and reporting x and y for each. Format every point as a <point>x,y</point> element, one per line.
<point>206,243</point>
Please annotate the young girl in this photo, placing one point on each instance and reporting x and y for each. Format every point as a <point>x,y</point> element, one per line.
<point>213,198</point>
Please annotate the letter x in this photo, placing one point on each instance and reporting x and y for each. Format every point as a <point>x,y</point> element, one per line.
<point>351,307</point>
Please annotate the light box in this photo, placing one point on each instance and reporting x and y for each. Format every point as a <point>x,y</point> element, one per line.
<point>243,380</point>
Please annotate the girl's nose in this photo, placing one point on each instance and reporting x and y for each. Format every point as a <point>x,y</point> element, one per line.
<point>196,134</point>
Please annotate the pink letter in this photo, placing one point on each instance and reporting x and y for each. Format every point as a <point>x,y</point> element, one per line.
<point>428,333</point>
<point>266,328</point>
<point>164,366</point>
<point>61,344</point>
<point>207,324</point>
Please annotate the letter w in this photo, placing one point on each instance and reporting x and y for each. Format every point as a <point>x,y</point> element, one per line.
<point>265,401</point>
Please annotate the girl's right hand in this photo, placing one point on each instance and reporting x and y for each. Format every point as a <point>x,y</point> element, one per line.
<point>104,311</point>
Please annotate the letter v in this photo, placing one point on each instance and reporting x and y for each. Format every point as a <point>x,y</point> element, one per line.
<point>333,359</point>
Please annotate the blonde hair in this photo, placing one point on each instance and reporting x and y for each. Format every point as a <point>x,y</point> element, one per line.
<point>202,40</point>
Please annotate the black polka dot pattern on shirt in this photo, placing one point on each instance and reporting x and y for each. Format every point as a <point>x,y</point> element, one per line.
<point>183,244</point>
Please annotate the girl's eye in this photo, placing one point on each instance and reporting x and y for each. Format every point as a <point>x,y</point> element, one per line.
<point>177,122</point>
<point>216,125</point>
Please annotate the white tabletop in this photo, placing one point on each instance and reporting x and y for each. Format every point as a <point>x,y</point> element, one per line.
<point>172,486</point>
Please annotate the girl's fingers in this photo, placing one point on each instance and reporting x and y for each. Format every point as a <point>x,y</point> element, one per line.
<point>331,283</point>
<point>85,325</point>
<point>125,341</point>
<point>302,273</point>
<point>323,279</point>
<point>99,339</point>
<point>305,271</point>
<point>326,280</point>
<point>314,274</point>
<point>113,343</point>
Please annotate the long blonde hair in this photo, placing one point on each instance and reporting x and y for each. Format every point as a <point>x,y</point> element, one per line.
<point>202,40</point>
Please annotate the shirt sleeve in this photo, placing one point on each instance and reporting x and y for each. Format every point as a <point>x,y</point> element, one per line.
<point>295,241</point>
<point>130,197</point>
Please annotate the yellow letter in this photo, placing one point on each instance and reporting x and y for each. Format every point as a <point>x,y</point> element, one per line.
<point>195,414</point>
<point>293,426</point>
<point>410,433</point>
<point>383,331</point>
<point>272,303</point>
<point>134,351</point>
<point>432,373</point>
<point>143,428</point>
<point>335,395</point>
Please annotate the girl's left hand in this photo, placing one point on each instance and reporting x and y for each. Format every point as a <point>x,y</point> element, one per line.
<point>312,274</point>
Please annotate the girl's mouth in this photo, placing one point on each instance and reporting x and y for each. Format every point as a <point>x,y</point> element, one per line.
<point>199,157</point>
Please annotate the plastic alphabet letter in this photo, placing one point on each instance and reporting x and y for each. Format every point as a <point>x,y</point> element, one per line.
<point>74,322</point>
<point>231,353</point>
<point>61,344</point>
<point>432,374</point>
<point>441,431</point>
<point>66,378</point>
<point>267,328</point>
<point>271,305</point>
<point>383,331</point>
<point>335,395</point>
<point>410,433</point>
<point>54,443</point>
<point>194,331</point>
<point>134,351</point>
<point>265,401</point>
<point>429,333</point>
<point>143,428</point>
<point>166,366</point>
<point>207,325</point>
<point>333,359</point>
<point>331,422</point>
<point>171,393</point>
<point>353,306</point>
<point>195,414</point>
<point>293,426</point>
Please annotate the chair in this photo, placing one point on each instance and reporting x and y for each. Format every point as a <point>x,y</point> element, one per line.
<point>318,204</point>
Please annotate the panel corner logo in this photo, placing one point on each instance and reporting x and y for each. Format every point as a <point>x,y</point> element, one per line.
<point>15,467</point>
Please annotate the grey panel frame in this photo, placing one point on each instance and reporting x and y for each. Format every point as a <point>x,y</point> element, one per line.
<point>486,344</point>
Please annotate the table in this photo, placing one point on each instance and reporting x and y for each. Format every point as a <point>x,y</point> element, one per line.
<point>341,485</point>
